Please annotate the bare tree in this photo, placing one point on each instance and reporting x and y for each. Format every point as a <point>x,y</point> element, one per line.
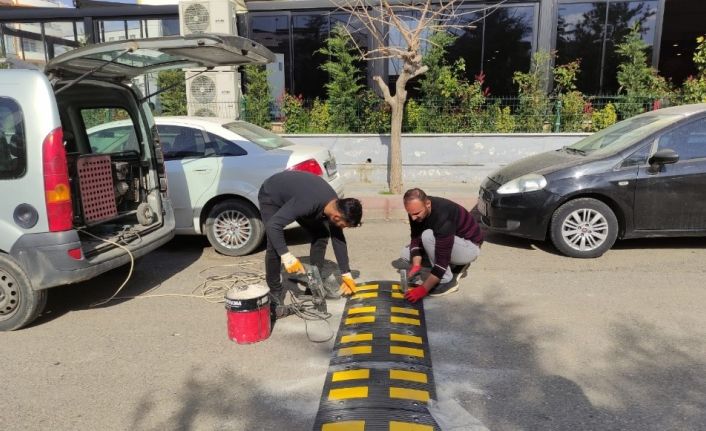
<point>400,29</point>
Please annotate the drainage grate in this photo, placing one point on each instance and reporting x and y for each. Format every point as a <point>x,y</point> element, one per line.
<point>95,180</point>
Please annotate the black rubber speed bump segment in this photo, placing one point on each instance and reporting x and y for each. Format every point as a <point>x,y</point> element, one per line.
<point>380,375</point>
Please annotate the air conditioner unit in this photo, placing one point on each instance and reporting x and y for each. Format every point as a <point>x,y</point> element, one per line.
<point>213,94</point>
<point>209,16</point>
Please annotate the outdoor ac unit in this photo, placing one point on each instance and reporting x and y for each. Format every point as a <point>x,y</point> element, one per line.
<point>209,16</point>
<point>213,94</point>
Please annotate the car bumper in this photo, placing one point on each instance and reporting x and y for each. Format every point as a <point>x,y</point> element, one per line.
<point>337,183</point>
<point>45,258</point>
<point>523,214</point>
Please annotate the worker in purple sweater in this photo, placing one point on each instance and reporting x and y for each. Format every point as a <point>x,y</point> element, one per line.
<point>448,235</point>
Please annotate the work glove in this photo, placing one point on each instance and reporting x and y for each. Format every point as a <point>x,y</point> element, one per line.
<point>348,285</point>
<point>415,294</point>
<point>413,271</point>
<point>292,264</point>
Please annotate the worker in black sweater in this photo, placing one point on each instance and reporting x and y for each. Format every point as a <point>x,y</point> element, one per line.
<point>448,235</point>
<point>308,199</point>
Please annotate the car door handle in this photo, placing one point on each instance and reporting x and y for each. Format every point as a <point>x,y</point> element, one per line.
<point>202,170</point>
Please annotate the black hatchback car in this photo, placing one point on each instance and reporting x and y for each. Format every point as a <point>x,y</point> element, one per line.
<point>642,177</point>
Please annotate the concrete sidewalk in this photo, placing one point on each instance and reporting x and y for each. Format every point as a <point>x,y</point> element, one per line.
<point>379,204</point>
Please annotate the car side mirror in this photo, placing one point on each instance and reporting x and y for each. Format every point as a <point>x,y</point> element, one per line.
<point>662,157</point>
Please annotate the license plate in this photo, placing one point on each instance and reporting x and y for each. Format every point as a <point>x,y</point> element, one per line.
<point>482,206</point>
<point>331,168</point>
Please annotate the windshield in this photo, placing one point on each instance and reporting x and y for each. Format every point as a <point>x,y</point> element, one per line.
<point>257,135</point>
<point>621,135</point>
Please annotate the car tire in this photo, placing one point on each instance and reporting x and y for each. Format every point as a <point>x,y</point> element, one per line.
<point>19,303</point>
<point>584,228</point>
<point>234,228</point>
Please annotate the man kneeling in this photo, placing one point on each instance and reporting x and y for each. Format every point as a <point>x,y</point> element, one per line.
<point>447,234</point>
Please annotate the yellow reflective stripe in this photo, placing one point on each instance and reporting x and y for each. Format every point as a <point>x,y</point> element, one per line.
<point>408,426</point>
<point>345,393</point>
<point>409,394</point>
<point>409,351</point>
<point>340,376</point>
<point>365,295</point>
<point>366,287</point>
<point>361,319</point>
<point>404,320</point>
<point>358,310</point>
<point>357,337</point>
<point>402,337</point>
<point>410,376</point>
<point>405,310</point>
<point>345,426</point>
<point>397,295</point>
<point>396,287</point>
<point>357,350</point>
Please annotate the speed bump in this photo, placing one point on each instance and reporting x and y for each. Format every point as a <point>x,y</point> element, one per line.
<point>380,375</point>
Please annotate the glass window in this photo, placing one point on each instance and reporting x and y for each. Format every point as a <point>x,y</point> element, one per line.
<point>108,29</point>
<point>589,32</point>
<point>222,147</point>
<point>622,135</point>
<point>272,31</point>
<point>110,130</point>
<point>12,140</point>
<point>498,44</point>
<point>309,33</point>
<point>507,46</point>
<point>683,23</point>
<point>181,142</point>
<point>257,135</point>
<point>689,140</point>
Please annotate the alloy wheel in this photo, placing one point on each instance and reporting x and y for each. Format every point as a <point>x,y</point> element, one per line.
<point>585,229</point>
<point>232,229</point>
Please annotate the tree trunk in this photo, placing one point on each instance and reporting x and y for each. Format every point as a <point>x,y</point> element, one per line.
<point>396,144</point>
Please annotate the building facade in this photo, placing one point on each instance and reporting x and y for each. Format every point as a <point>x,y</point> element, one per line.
<point>502,40</point>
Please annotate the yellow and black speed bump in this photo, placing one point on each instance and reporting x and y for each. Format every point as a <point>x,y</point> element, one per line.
<point>380,375</point>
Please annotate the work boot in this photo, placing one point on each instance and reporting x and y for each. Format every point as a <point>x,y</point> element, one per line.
<point>277,307</point>
<point>442,289</point>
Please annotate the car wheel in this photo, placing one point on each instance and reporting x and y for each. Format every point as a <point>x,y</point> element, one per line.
<point>234,228</point>
<point>19,303</point>
<point>584,228</point>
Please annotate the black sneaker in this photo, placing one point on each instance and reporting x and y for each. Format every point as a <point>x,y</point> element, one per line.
<point>461,270</point>
<point>444,288</point>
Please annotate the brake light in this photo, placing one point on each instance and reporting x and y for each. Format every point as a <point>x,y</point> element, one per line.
<point>57,193</point>
<point>311,166</point>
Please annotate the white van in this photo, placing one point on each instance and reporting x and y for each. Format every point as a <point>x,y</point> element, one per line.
<point>65,205</point>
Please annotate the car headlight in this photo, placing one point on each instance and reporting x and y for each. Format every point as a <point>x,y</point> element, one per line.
<point>525,183</point>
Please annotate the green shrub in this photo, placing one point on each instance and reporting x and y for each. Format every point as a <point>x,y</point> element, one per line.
<point>344,81</point>
<point>501,119</point>
<point>412,122</point>
<point>694,88</point>
<point>320,117</point>
<point>172,101</point>
<point>257,96</point>
<point>602,118</point>
<point>534,106</point>
<point>296,117</point>
<point>375,113</point>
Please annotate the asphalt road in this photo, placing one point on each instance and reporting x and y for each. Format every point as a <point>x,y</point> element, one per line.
<point>533,341</point>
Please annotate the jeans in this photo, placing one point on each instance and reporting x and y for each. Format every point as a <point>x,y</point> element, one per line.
<point>462,253</point>
<point>317,230</point>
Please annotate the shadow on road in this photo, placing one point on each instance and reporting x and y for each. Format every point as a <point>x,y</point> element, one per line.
<point>148,273</point>
<point>485,358</point>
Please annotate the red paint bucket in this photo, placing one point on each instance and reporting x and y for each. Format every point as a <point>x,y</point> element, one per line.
<point>248,311</point>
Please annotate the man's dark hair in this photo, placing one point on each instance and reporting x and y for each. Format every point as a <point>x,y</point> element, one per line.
<point>413,194</point>
<point>351,211</point>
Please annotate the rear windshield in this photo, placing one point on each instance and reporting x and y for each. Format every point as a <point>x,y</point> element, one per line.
<point>257,135</point>
<point>622,135</point>
<point>13,145</point>
<point>105,139</point>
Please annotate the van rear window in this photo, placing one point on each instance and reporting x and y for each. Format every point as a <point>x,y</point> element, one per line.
<point>13,145</point>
